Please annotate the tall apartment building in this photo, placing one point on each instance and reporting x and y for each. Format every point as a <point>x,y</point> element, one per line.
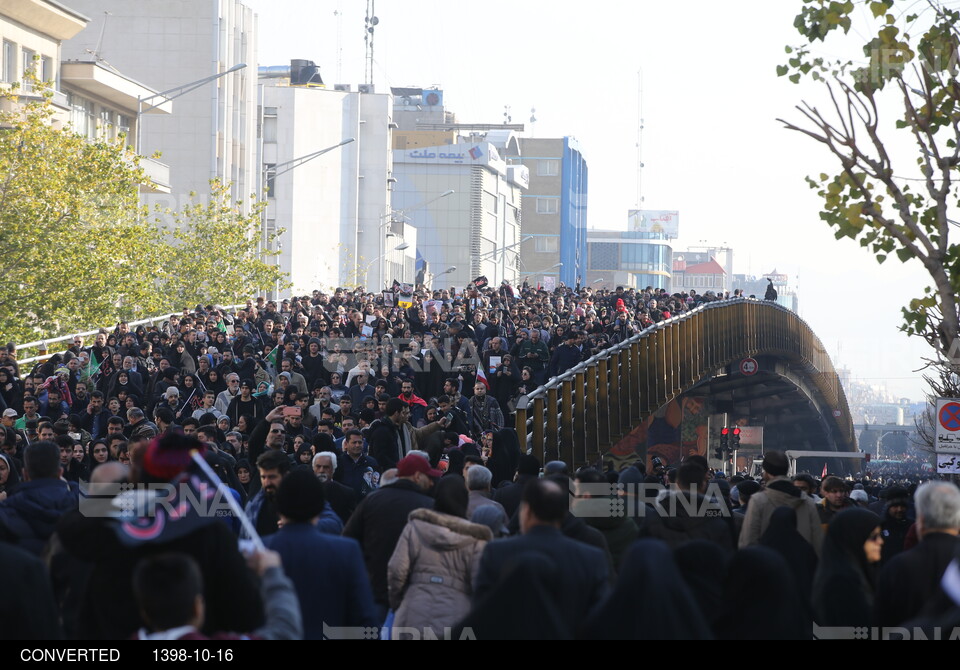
<point>461,192</point>
<point>554,211</point>
<point>334,207</point>
<point>165,45</point>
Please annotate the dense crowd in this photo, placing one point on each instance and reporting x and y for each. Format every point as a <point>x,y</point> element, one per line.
<point>371,482</point>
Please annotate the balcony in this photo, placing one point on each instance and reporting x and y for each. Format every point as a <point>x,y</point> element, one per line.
<point>159,174</point>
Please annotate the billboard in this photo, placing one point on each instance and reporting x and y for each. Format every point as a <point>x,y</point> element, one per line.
<point>654,221</point>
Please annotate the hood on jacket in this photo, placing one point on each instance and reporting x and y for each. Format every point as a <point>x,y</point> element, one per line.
<point>445,532</point>
<point>782,492</point>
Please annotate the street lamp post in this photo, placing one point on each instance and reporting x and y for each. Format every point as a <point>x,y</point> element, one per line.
<point>279,169</point>
<point>503,254</point>
<point>400,247</point>
<point>177,91</point>
<point>449,270</point>
<point>544,271</point>
<point>388,218</point>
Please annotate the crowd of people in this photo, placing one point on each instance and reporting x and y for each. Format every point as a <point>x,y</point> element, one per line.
<point>375,483</point>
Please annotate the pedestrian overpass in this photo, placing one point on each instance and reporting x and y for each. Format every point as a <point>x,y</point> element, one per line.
<point>748,362</point>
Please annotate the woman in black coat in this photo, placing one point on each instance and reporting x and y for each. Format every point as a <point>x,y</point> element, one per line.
<point>844,584</point>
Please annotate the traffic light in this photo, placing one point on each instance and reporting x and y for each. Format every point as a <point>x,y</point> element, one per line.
<point>724,438</point>
<point>718,453</point>
<point>735,440</point>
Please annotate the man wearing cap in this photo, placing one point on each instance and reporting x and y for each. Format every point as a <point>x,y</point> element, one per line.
<point>245,403</point>
<point>232,390</point>
<point>297,379</point>
<point>9,417</point>
<point>380,518</point>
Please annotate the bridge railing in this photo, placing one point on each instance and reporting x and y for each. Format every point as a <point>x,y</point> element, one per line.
<point>41,349</point>
<point>580,414</point>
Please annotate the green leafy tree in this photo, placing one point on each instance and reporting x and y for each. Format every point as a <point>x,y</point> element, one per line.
<point>216,253</point>
<point>75,249</point>
<point>891,120</point>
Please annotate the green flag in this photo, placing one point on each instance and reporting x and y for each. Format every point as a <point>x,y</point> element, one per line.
<point>92,368</point>
<point>272,356</point>
<point>222,328</point>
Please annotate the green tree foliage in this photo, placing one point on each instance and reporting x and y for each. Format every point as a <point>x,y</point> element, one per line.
<point>77,248</point>
<point>73,250</point>
<point>892,123</point>
<point>216,253</point>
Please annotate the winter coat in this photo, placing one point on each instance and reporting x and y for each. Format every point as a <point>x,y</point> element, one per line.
<point>779,492</point>
<point>377,524</point>
<point>29,516</point>
<point>685,520</point>
<point>431,571</point>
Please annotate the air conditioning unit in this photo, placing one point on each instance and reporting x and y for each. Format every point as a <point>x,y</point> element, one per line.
<point>342,87</point>
<point>365,88</point>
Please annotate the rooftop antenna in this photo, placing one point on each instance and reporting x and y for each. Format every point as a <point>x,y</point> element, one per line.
<point>338,12</point>
<point>506,115</point>
<point>639,138</point>
<point>370,23</point>
<point>533,120</point>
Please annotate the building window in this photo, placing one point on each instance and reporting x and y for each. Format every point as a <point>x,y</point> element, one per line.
<point>548,168</point>
<point>9,66</point>
<point>270,177</point>
<point>269,129</point>
<point>548,205</point>
<point>28,64</point>
<point>46,68</point>
<point>548,245</point>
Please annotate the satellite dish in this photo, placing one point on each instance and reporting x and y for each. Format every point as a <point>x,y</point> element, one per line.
<point>374,21</point>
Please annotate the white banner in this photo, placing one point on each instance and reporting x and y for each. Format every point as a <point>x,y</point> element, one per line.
<point>654,221</point>
<point>948,464</point>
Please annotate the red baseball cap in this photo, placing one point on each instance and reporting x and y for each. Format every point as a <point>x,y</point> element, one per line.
<point>412,464</point>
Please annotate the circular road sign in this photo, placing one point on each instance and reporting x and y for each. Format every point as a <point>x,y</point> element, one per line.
<point>749,366</point>
<point>950,416</point>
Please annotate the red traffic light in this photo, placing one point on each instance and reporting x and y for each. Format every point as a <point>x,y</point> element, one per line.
<point>736,431</point>
<point>724,431</point>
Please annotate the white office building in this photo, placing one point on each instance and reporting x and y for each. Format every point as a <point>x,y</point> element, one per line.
<point>165,45</point>
<point>332,207</point>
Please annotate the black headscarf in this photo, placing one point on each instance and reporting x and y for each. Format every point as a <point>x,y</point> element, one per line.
<point>505,458</point>
<point>455,460</point>
<point>782,536</point>
<point>13,479</point>
<point>843,584</point>
<point>650,601</point>
<point>451,496</point>
<point>703,565</point>
<point>761,599</point>
<point>522,606</point>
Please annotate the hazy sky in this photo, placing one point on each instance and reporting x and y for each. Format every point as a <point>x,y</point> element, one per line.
<point>712,148</point>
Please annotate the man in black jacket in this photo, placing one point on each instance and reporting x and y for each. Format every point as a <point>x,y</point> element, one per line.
<point>387,440</point>
<point>912,578</point>
<point>381,516</point>
<point>580,578</point>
